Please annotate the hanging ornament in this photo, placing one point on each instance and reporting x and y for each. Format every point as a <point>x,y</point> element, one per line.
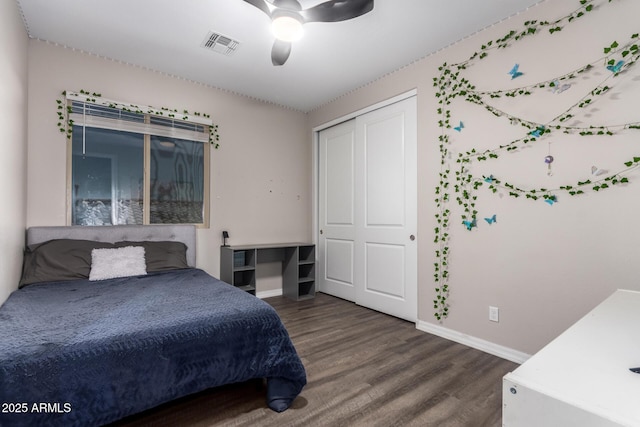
<point>548,160</point>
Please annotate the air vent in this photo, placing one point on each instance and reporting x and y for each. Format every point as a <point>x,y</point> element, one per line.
<point>219,43</point>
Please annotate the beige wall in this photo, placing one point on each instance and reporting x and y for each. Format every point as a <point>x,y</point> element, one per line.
<point>544,267</point>
<point>260,180</point>
<point>13,131</point>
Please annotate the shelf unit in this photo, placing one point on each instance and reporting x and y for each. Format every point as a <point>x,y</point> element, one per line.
<point>238,267</point>
<point>306,270</point>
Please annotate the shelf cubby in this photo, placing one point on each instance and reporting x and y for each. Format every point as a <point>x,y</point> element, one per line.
<point>238,267</point>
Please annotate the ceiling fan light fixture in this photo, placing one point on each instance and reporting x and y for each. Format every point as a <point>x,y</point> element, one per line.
<point>287,28</point>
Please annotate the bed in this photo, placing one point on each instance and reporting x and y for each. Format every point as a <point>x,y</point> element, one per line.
<point>92,350</point>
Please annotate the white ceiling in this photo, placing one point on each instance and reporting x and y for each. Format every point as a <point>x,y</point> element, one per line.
<point>331,59</point>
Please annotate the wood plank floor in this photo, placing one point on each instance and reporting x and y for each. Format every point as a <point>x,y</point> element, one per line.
<point>364,368</point>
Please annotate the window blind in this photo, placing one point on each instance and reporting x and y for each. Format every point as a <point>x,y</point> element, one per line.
<point>87,111</point>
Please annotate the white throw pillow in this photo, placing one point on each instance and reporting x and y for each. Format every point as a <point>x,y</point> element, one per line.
<point>117,262</point>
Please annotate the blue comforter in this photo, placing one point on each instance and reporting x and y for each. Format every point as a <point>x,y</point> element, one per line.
<point>88,353</point>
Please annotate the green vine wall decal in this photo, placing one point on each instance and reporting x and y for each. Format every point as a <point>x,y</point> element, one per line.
<point>65,123</point>
<point>458,185</point>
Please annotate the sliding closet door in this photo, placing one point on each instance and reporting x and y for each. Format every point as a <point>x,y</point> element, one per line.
<point>386,215</point>
<point>336,189</point>
<point>368,210</point>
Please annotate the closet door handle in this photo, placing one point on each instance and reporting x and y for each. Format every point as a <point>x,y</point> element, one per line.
<point>320,231</point>
<point>412,237</point>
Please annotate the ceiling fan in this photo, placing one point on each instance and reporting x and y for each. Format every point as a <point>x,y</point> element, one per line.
<point>287,18</point>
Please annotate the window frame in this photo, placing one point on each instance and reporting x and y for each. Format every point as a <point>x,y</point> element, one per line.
<point>147,112</point>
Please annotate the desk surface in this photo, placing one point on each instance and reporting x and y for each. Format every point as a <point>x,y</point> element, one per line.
<point>588,365</point>
<point>268,246</point>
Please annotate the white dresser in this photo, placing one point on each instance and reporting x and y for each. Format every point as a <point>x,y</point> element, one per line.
<point>582,378</point>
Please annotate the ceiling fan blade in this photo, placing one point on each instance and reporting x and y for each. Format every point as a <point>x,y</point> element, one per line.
<point>337,10</point>
<point>280,52</point>
<point>260,4</point>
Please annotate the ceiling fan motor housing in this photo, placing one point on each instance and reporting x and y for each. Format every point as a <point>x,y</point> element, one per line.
<point>287,4</point>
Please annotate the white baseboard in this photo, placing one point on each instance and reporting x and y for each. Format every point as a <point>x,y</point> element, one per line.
<point>477,343</point>
<point>269,294</point>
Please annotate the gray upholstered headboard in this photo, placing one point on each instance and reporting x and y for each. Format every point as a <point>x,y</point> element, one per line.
<point>116,233</point>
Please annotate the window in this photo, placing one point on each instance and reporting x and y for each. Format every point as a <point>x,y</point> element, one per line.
<point>134,166</point>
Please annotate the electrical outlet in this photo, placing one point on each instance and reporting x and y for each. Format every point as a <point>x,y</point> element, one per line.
<point>494,314</point>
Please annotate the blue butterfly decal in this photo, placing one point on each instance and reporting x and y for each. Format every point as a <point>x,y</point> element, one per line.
<point>615,68</point>
<point>459,128</point>
<point>551,200</point>
<point>491,220</point>
<point>558,88</point>
<point>488,179</point>
<point>536,133</point>
<point>514,72</point>
<point>470,224</point>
